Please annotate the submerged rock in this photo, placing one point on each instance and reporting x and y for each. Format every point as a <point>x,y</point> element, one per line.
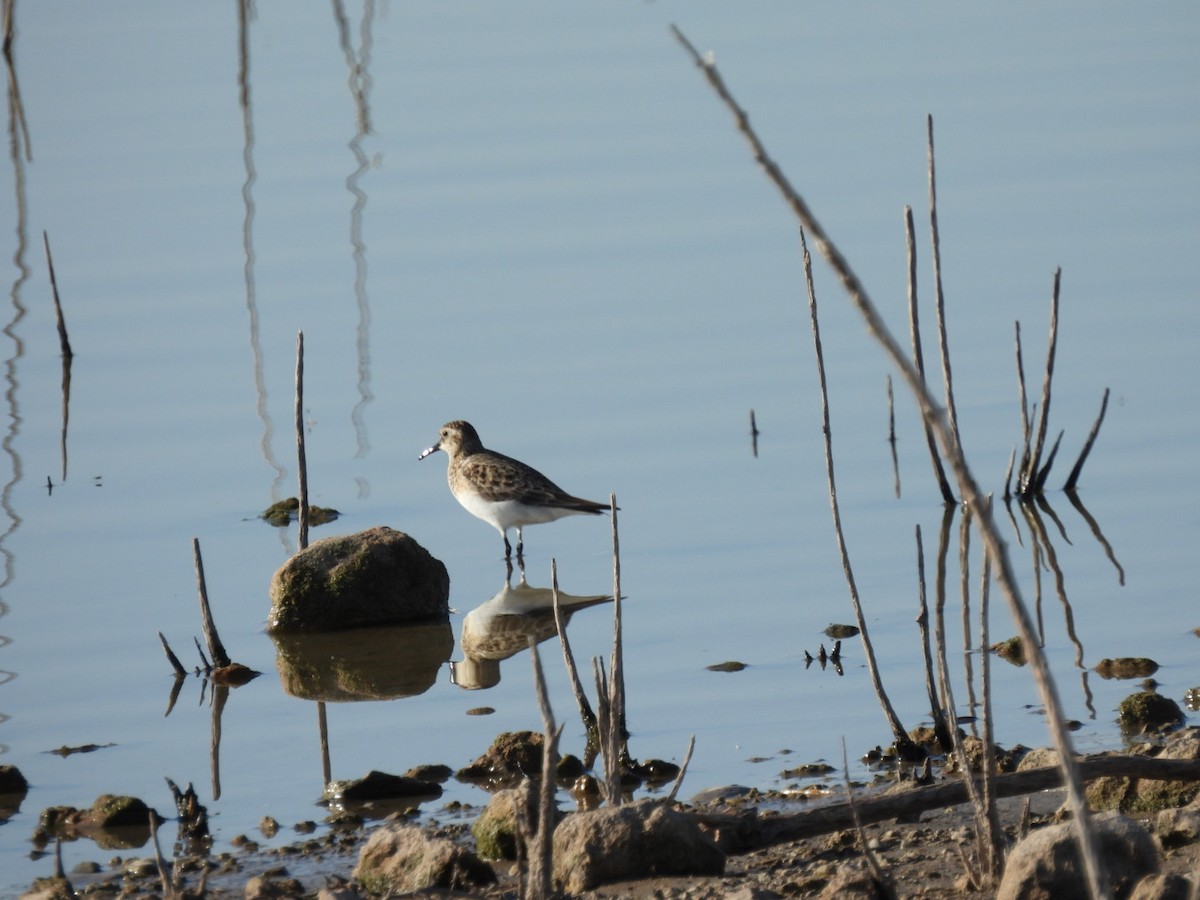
<point>375,577</point>
<point>633,841</point>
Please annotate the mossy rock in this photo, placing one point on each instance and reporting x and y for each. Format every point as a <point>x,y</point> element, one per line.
<point>1147,710</point>
<point>285,512</point>
<point>375,577</point>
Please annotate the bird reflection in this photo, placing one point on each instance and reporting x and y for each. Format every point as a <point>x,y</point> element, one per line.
<point>502,627</point>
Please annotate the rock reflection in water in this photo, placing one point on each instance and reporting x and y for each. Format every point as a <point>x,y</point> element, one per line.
<point>383,663</point>
<point>503,626</point>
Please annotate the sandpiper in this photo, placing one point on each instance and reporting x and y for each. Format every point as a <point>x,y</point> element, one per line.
<point>502,491</point>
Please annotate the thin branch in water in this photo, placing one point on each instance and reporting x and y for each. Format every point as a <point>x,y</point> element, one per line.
<point>892,436</point>
<point>585,708</point>
<point>901,736</point>
<point>215,648</point>
<point>938,295</point>
<point>541,849</point>
<point>1073,478</point>
<point>951,448</point>
<point>171,657</point>
<point>687,758</point>
<point>616,690</point>
<point>63,341</point>
<point>918,356</point>
<point>1028,483</point>
<point>940,730</point>
<point>1026,421</point>
<point>995,844</point>
<point>1040,481</point>
<point>301,460</point>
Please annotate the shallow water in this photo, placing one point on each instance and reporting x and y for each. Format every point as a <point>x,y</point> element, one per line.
<point>553,230</point>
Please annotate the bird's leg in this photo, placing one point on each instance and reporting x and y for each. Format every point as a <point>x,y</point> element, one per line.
<point>520,546</point>
<point>508,546</point>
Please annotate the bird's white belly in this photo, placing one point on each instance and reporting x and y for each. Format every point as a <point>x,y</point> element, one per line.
<point>504,514</point>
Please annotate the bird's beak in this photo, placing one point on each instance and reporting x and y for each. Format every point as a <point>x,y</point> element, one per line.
<point>434,449</point>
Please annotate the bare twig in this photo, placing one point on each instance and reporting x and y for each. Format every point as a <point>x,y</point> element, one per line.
<point>687,758</point>
<point>171,657</point>
<point>541,846</point>
<point>892,436</point>
<point>940,730</point>
<point>994,851</point>
<point>1026,420</point>
<point>616,691</point>
<point>901,736</point>
<point>1073,478</point>
<point>1028,481</point>
<point>938,296</point>
<point>63,341</point>
<point>1040,482</point>
<point>968,488</point>
<point>301,461</point>
<point>585,708</point>
<point>918,356</point>
<point>215,648</point>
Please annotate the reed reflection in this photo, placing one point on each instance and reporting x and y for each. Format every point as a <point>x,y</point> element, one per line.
<point>359,66</point>
<point>505,625</point>
<point>20,152</point>
<point>245,100</point>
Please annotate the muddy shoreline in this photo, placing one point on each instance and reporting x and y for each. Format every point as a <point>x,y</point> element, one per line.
<point>924,856</point>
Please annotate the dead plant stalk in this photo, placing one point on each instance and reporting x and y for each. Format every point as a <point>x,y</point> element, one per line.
<point>968,488</point>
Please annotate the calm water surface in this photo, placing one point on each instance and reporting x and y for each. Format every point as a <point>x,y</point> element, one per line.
<point>551,228</point>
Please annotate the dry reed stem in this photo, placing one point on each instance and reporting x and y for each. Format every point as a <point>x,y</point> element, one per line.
<point>940,729</point>
<point>918,355</point>
<point>678,783</point>
<point>60,323</point>
<point>1026,419</point>
<point>616,690</point>
<point>1073,478</point>
<point>541,848</point>
<point>892,437</point>
<point>585,708</point>
<point>611,782</point>
<point>938,294</point>
<point>216,649</point>
<point>964,549</point>
<point>960,750</point>
<point>901,736</point>
<point>301,460</point>
<point>996,849</point>
<point>1029,477</point>
<point>171,657</point>
<point>969,490</point>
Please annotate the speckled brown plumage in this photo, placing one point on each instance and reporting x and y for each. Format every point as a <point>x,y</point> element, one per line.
<point>502,491</point>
